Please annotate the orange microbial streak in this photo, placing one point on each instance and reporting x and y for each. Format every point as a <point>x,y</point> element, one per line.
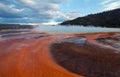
<point>29,58</point>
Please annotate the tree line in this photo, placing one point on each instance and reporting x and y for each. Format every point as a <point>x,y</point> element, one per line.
<point>105,19</point>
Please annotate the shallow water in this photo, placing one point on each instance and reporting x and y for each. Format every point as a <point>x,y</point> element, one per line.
<point>74,29</point>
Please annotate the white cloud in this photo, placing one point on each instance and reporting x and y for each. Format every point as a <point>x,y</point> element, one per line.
<point>9,8</point>
<point>110,4</point>
<point>34,11</point>
<point>46,7</point>
<point>106,1</point>
<point>50,8</point>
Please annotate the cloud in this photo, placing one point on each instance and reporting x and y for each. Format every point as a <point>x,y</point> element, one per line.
<point>106,2</point>
<point>8,11</point>
<point>110,4</point>
<point>33,11</point>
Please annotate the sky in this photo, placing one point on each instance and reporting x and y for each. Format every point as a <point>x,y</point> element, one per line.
<point>51,11</point>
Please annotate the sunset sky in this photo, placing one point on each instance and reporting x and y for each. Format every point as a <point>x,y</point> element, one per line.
<point>44,11</point>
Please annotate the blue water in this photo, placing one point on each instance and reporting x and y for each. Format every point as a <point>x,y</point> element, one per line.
<point>74,29</point>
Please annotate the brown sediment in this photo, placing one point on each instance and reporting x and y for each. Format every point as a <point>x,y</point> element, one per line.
<point>92,59</point>
<point>113,41</point>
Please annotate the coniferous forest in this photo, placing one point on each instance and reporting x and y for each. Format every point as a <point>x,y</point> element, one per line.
<point>105,19</point>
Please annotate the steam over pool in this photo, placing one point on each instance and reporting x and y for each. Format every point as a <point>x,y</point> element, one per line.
<point>74,29</point>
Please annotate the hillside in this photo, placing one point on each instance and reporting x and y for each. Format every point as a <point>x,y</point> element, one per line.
<point>105,19</point>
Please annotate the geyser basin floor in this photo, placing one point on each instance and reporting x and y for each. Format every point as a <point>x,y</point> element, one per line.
<point>29,54</point>
<point>88,57</point>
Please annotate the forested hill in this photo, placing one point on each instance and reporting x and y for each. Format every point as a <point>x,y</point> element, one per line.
<point>105,19</point>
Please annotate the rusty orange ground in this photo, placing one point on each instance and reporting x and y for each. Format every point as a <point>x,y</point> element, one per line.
<point>31,57</point>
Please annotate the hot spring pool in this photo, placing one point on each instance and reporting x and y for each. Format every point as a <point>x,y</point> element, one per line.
<point>74,29</point>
